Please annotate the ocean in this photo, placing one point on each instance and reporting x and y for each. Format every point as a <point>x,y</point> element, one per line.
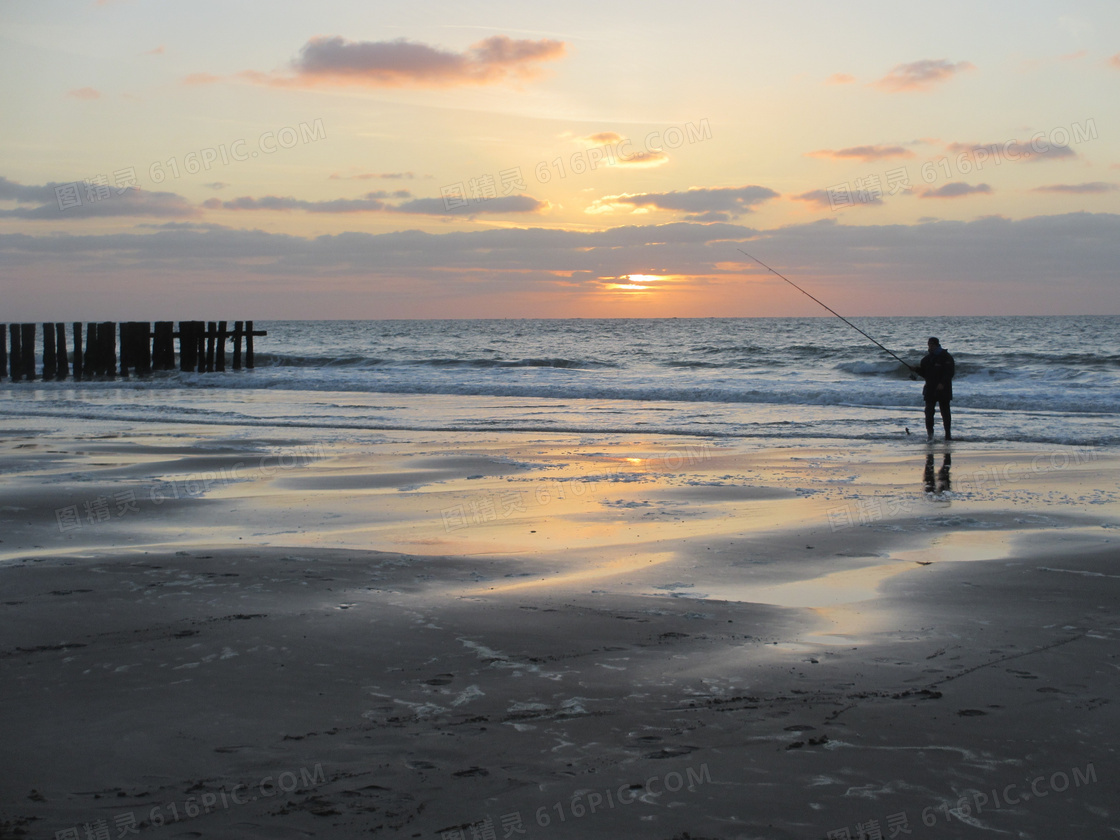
<point>1022,380</point>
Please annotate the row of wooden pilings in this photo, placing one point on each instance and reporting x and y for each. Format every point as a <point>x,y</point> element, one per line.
<point>202,348</point>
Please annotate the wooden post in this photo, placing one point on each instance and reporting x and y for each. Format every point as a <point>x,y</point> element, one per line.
<point>107,333</point>
<point>163,346</point>
<point>127,347</point>
<point>136,340</point>
<point>220,348</point>
<point>49,362</point>
<point>187,346</point>
<point>15,357</point>
<point>143,348</point>
<point>27,345</point>
<point>77,351</point>
<point>250,361</point>
<point>3,350</point>
<point>91,351</point>
<point>237,345</point>
<point>157,345</point>
<point>200,344</point>
<point>135,349</point>
<point>62,363</point>
<point>94,367</point>
<point>211,336</point>
<point>198,333</point>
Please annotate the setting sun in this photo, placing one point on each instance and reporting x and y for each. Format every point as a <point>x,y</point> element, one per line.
<point>637,282</point>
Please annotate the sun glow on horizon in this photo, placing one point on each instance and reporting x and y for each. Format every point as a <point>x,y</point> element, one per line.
<point>638,282</point>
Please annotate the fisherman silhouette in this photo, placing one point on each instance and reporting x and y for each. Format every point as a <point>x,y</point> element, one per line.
<point>939,483</point>
<point>937,368</point>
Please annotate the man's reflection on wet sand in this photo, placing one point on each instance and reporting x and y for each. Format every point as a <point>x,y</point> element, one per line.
<point>939,482</point>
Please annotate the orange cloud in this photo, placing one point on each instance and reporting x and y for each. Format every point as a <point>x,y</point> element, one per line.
<point>1078,189</point>
<point>644,160</point>
<point>620,151</point>
<point>840,79</point>
<point>116,202</point>
<point>1115,61</point>
<point>818,197</point>
<point>838,199</point>
<point>701,204</point>
<point>402,63</point>
<point>603,137</point>
<point>957,189</point>
<point>85,93</point>
<point>1034,151</point>
<point>864,153</point>
<point>366,176</point>
<point>921,75</point>
<point>376,202</point>
<point>201,79</point>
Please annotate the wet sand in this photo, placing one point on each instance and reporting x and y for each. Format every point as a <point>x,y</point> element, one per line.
<point>525,635</point>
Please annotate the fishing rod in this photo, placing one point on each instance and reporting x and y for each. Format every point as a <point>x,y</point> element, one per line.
<point>825,305</point>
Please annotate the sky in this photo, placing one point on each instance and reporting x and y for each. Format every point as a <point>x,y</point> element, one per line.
<point>354,159</point>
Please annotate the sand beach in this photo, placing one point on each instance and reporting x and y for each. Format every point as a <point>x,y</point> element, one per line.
<point>479,635</point>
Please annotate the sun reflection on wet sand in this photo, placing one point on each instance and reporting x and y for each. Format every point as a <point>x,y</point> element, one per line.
<point>849,603</point>
<point>632,564</point>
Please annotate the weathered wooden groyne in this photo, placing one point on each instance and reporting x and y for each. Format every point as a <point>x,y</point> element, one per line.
<point>142,349</point>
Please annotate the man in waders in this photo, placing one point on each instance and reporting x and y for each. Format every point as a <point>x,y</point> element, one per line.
<point>937,368</point>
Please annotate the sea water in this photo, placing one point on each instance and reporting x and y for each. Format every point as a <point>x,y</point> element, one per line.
<point>1026,380</point>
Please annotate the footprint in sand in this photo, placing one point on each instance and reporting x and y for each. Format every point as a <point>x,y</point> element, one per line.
<point>471,771</point>
<point>671,752</point>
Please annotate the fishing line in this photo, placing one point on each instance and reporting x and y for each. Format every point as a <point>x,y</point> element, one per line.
<point>825,305</point>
